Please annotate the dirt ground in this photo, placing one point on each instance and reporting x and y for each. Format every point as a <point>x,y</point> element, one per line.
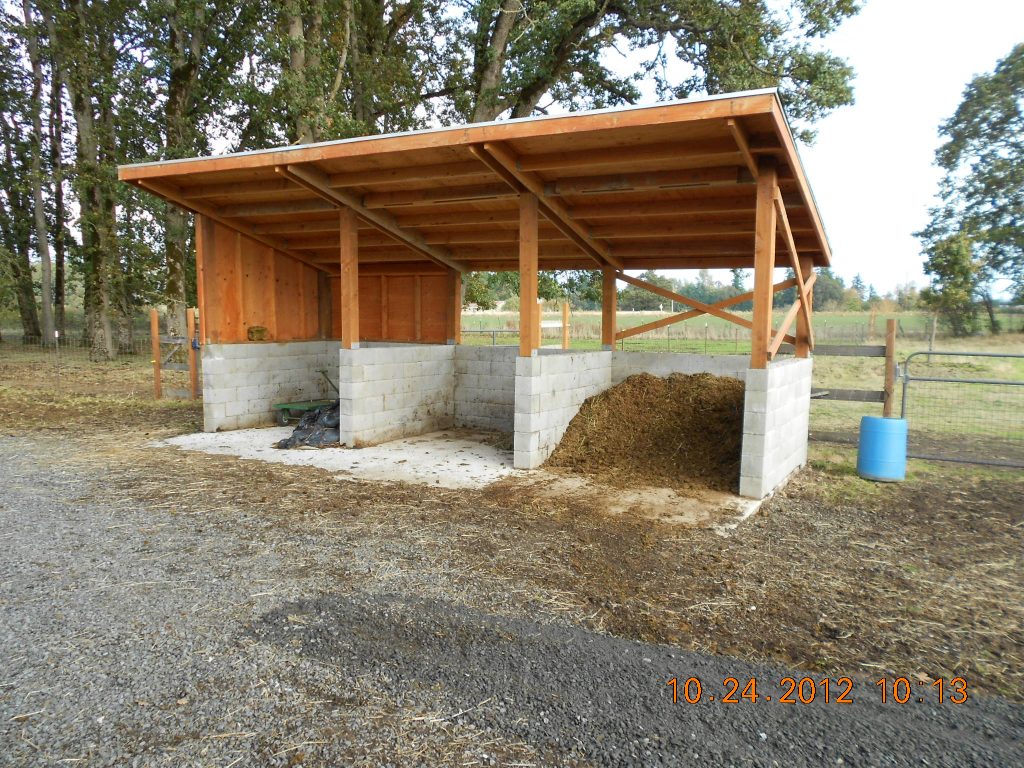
<point>833,575</point>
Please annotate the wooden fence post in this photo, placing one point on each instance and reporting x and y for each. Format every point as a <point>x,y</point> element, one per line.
<point>890,367</point>
<point>565,325</point>
<point>193,367</point>
<point>154,338</point>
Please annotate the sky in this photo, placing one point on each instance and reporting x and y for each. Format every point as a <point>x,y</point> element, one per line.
<point>872,165</point>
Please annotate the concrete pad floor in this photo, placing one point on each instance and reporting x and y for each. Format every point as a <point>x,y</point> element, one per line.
<point>469,459</point>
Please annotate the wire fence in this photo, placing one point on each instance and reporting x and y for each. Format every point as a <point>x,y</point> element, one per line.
<point>966,407</point>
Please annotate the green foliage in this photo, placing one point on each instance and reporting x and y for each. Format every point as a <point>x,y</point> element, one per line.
<point>954,269</point>
<point>981,198</point>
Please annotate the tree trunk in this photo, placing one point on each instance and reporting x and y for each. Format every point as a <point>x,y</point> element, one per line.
<point>490,61</point>
<point>60,215</point>
<point>993,321</point>
<point>42,231</point>
<point>16,239</point>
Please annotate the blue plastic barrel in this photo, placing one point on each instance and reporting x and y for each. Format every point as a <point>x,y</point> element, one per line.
<point>882,449</point>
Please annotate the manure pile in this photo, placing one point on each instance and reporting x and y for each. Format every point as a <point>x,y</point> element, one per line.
<point>677,432</point>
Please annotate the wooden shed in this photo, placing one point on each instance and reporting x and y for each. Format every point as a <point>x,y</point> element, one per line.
<point>361,244</point>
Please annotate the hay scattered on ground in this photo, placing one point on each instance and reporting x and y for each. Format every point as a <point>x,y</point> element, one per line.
<point>677,432</point>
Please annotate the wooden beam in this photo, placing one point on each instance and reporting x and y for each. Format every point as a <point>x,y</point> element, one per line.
<point>246,210</point>
<point>781,335</point>
<point>674,208</point>
<point>764,263</point>
<point>349,283</point>
<point>804,330</point>
<point>677,318</point>
<point>710,309</point>
<point>565,325</point>
<point>528,314</point>
<point>695,177</point>
<point>436,196</point>
<point>609,307</point>
<point>174,196</point>
<point>405,173</point>
<point>665,115</point>
<point>499,156</point>
<point>316,182</point>
<point>644,228</point>
<point>740,137</point>
<point>704,150</point>
<point>203,240</point>
<point>236,189</point>
<point>795,262</point>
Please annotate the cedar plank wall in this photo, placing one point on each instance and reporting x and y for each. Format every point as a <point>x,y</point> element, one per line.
<point>246,283</point>
<point>396,307</point>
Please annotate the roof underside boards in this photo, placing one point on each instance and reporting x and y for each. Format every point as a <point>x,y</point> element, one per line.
<point>670,186</point>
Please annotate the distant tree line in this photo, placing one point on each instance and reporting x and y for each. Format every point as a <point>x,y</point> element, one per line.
<point>86,85</point>
<point>582,289</point>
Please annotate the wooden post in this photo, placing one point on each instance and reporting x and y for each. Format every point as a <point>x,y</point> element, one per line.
<point>528,315</point>
<point>803,330</point>
<point>204,231</point>
<point>154,339</point>
<point>764,262</point>
<point>890,367</point>
<point>565,325</point>
<point>349,281</point>
<point>193,367</point>
<point>454,306</point>
<point>540,323</point>
<point>609,308</point>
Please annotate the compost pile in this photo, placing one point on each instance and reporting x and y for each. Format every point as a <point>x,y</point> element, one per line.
<point>317,429</point>
<point>676,432</point>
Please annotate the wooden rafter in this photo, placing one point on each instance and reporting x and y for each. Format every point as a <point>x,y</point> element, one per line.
<point>317,182</point>
<point>803,297</point>
<point>678,318</point>
<point>173,196</point>
<point>498,157</point>
<point>740,137</point>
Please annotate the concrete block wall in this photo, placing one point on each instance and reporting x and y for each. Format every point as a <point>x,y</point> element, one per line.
<point>242,381</point>
<point>625,364</point>
<point>485,387</point>
<point>549,390</point>
<point>775,424</point>
<point>389,391</point>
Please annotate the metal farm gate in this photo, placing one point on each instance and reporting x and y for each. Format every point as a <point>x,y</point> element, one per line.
<point>966,407</point>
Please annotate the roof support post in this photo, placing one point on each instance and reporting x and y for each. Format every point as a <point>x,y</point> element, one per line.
<point>804,339</point>
<point>454,306</point>
<point>609,307</point>
<point>528,312</point>
<point>764,262</point>
<point>348,226</point>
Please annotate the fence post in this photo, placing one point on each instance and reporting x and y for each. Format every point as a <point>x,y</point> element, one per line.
<point>565,325</point>
<point>154,340</point>
<point>890,366</point>
<point>193,368</point>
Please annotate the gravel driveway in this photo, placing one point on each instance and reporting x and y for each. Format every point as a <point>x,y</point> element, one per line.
<point>140,635</point>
